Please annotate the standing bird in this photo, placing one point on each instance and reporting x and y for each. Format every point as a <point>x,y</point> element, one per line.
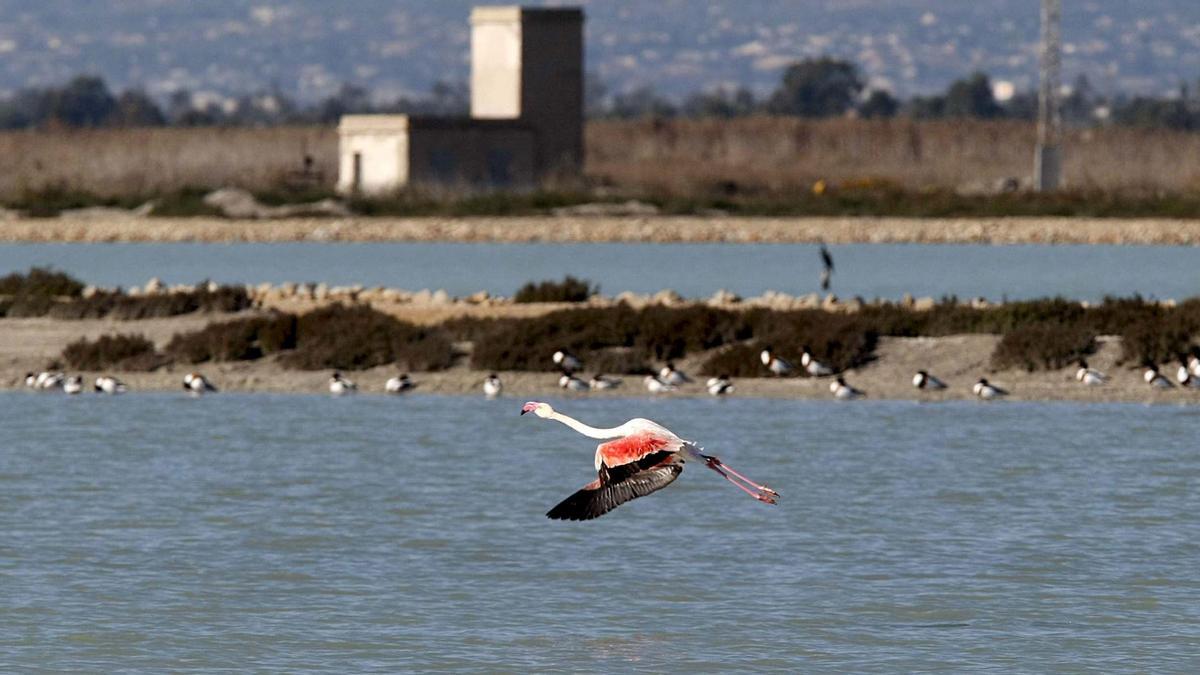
<point>572,383</point>
<point>73,385</point>
<point>1090,376</point>
<point>30,380</point>
<point>778,367</point>
<point>657,386</point>
<point>602,381</point>
<point>640,457</point>
<point>719,386</point>
<point>492,386</point>
<point>47,380</point>
<point>672,375</point>
<point>107,384</point>
<point>399,384</point>
<point>813,366</point>
<point>826,268</point>
<point>843,391</point>
<point>340,386</point>
<point>987,391</point>
<point>197,384</point>
<point>1156,379</point>
<point>1194,362</point>
<point>567,361</point>
<point>923,380</point>
<point>1184,375</point>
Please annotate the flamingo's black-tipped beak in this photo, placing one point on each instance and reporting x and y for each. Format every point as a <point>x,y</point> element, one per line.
<point>529,407</point>
<point>524,411</point>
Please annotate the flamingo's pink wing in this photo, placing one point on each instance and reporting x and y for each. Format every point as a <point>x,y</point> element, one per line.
<point>633,448</point>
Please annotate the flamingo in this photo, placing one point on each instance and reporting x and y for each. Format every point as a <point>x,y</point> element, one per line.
<point>1090,376</point>
<point>197,384</point>
<point>719,386</point>
<point>813,366</point>
<point>399,384</point>
<point>776,365</point>
<point>671,375</point>
<point>638,458</point>
<point>923,380</point>
<point>492,386</point>
<point>987,391</point>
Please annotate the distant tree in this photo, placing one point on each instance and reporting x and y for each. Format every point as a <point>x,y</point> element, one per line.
<point>1078,105</point>
<point>1156,113</point>
<point>879,104</point>
<point>349,99</point>
<point>972,97</point>
<point>83,102</point>
<point>1022,106</point>
<point>926,107</point>
<point>821,87</point>
<point>595,95</point>
<point>24,109</point>
<point>641,102</point>
<point>720,103</point>
<point>136,109</point>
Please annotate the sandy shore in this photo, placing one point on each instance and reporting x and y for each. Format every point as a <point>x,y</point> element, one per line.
<point>661,229</point>
<point>30,344</point>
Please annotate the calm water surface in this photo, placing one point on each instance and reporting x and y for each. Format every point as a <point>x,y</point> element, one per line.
<point>694,270</point>
<point>153,532</point>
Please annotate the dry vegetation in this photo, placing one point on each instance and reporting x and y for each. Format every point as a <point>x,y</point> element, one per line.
<point>711,159</point>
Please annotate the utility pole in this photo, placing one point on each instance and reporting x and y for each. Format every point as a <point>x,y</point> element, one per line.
<point>1047,160</point>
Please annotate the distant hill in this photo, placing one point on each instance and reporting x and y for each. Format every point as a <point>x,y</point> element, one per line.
<point>307,48</point>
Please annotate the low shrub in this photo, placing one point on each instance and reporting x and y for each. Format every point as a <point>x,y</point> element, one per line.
<point>130,307</point>
<point>1043,346</point>
<point>569,289</point>
<point>237,340</point>
<point>40,282</point>
<point>113,352</point>
<point>741,360</point>
<point>358,337</point>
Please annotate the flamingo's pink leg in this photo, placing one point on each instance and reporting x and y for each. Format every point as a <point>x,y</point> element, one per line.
<point>714,461</point>
<point>763,495</point>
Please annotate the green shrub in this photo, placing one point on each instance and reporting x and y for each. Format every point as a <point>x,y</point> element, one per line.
<point>1043,346</point>
<point>237,340</point>
<point>358,337</point>
<point>569,289</point>
<point>113,352</point>
<point>41,282</point>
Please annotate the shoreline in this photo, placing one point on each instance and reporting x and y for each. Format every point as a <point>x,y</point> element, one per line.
<point>609,229</point>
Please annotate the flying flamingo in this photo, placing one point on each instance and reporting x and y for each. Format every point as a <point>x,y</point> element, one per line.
<point>638,458</point>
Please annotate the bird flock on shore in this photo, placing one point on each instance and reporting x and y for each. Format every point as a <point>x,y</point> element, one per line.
<point>668,379</point>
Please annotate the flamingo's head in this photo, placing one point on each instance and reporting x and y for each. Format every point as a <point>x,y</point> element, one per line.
<point>542,410</point>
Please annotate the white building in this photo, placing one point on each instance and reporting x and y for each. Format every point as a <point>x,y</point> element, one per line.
<point>526,113</point>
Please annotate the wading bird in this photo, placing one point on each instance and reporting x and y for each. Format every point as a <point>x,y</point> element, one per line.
<point>197,384</point>
<point>672,375</point>
<point>567,361</point>
<point>572,383</point>
<point>339,386</point>
<point>1184,374</point>
<point>107,384</point>
<point>843,391</point>
<point>987,391</point>
<point>719,386</point>
<point>1156,379</point>
<point>813,366</point>
<point>73,385</point>
<point>638,458</point>
<point>399,384</point>
<point>1090,376</point>
<point>776,365</point>
<point>923,380</point>
<point>826,268</point>
<point>602,381</point>
<point>492,386</point>
<point>657,386</point>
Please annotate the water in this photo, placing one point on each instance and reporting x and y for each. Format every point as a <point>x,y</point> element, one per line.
<point>264,533</point>
<point>694,270</point>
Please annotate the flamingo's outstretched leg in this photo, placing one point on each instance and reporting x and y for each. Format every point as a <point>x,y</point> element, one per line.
<point>760,492</point>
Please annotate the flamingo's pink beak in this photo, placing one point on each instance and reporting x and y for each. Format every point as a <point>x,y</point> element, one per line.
<point>529,407</point>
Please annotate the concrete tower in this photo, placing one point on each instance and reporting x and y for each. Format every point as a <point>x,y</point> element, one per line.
<point>527,65</point>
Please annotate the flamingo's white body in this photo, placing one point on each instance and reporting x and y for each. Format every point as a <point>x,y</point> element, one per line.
<point>109,385</point>
<point>657,386</point>
<point>1156,379</point>
<point>1090,376</point>
<point>572,383</point>
<point>567,361</point>
<point>843,391</point>
<point>340,386</point>
<point>923,380</point>
<point>600,382</point>
<point>638,458</point>
<point>399,384</point>
<point>197,384</point>
<point>813,366</point>
<point>719,386</point>
<point>776,365</point>
<point>492,386</point>
<point>73,385</point>
<point>987,391</point>
<point>671,375</point>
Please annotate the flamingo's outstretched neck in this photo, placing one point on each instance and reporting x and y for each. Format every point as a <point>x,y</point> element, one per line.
<point>586,430</point>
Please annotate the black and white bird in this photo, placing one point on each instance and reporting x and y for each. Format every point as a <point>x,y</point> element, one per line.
<point>1193,362</point>
<point>719,386</point>
<point>106,384</point>
<point>197,384</point>
<point>843,391</point>
<point>775,364</point>
<point>567,361</point>
<point>399,384</point>
<point>1156,379</point>
<point>1090,376</point>
<point>923,380</point>
<point>572,383</point>
<point>812,366</point>
<point>657,386</point>
<point>46,380</point>
<point>601,382</point>
<point>73,385</point>
<point>672,375</point>
<point>1184,375</point>
<point>492,386</point>
<point>826,268</point>
<point>988,391</point>
<point>340,386</point>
